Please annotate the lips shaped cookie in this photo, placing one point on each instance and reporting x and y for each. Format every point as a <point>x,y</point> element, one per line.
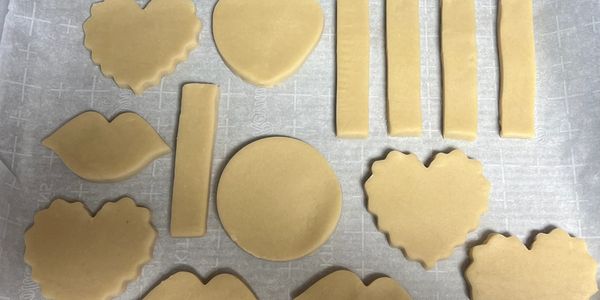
<point>428,211</point>
<point>558,267</point>
<point>75,256</point>
<point>185,285</point>
<point>137,46</point>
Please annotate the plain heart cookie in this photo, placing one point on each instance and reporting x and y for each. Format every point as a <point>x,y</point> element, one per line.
<point>427,211</point>
<point>266,41</point>
<point>138,46</point>
<point>75,256</point>
<point>185,285</point>
<point>558,267</point>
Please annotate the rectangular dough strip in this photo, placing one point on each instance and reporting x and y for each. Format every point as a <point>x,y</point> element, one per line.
<point>193,158</point>
<point>353,51</point>
<point>459,64</point>
<point>516,49</point>
<point>403,67</point>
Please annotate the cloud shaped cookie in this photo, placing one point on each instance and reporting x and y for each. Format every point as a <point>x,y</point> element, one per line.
<point>75,256</point>
<point>345,285</point>
<point>428,211</point>
<point>185,285</point>
<point>100,151</point>
<point>137,46</point>
<point>558,267</point>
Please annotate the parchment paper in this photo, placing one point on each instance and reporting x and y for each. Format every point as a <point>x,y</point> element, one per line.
<point>47,77</point>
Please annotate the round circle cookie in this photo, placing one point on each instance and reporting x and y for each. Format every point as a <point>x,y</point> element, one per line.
<point>279,199</point>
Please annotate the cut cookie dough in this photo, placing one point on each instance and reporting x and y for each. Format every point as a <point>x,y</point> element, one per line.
<point>345,285</point>
<point>459,64</point>
<point>558,267</point>
<point>76,256</point>
<point>353,51</point>
<point>403,67</point>
<point>516,47</point>
<point>279,199</point>
<point>428,211</point>
<point>138,46</point>
<point>266,41</point>
<point>185,285</point>
<point>102,151</point>
<point>193,159</point>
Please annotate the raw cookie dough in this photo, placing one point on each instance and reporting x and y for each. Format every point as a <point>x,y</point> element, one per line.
<point>102,151</point>
<point>353,51</point>
<point>403,44</point>
<point>459,64</point>
<point>193,159</point>
<point>266,41</point>
<point>279,199</point>
<point>558,267</point>
<point>75,256</point>
<point>516,47</point>
<point>345,285</point>
<point>186,286</point>
<point>427,211</point>
<point>137,47</point>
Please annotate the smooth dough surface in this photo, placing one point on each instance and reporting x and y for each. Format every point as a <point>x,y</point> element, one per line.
<point>193,159</point>
<point>102,151</point>
<point>558,267</point>
<point>345,285</point>
<point>137,47</point>
<point>186,286</point>
<point>266,41</point>
<point>75,256</point>
<point>353,51</point>
<point>427,211</point>
<point>403,43</point>
<point>279,199</point>
<point>516,47</point>
<point>459,64</point>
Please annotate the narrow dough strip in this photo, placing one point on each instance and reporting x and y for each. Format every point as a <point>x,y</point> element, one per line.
<point>194,152</point>
<point>404,68</point>
<point>459,63</point>
<point>353,50</point>
<point>517,68</point>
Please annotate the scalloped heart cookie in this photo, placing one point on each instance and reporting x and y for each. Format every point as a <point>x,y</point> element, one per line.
<point>427,211</point>
<point>138,46</point>
<point>558,267</point>
<point>345,285</point>
<point>266,41</point>
<point>75,256</point>
<point>185,285</point>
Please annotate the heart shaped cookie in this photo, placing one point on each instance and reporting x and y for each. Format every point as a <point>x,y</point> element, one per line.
<point>138,46</point>
<point>558,267</point>
<point>427,211</point>
<point>266,41</point>
<point>345,285</point>
<point>75,256</point>
<point>185,285</point>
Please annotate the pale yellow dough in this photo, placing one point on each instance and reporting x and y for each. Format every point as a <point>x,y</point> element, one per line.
<point>279,199</point>
<point>186,286</point>
<point>353,51</point>
<point>516,47</point>
<point>193,159</point>
<point>427,211</point>
<point>558,267</point>
<point>459,64</point>
<point>266,41</point>
<point>75,256</point>
<point>137,47</point>
<point>99,151</point>
<point>345,285</point>
<point>403,45</point>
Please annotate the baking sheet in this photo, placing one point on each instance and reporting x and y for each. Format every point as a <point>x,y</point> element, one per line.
<point>47,77</point>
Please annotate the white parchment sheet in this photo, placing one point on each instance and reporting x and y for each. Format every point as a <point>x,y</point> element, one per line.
<point>47,77</point>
